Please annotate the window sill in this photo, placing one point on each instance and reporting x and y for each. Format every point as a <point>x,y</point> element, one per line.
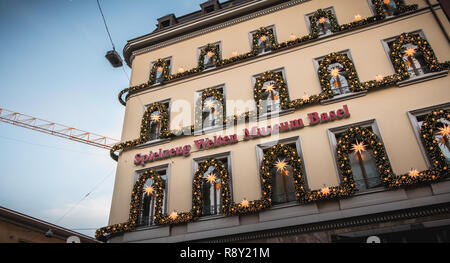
<point>153,143</point>
<point>425,77</point>
<point>344,97</point>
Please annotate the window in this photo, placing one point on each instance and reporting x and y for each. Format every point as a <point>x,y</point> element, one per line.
<point>210,6</point>
<point>210,55</point>
<point>156,122</point>
<point>283,182</point>
<point>338,76</point>
<point>417,116</point>
<point>261,39</point>
<point>364,167</point>
<point>389,7</point>
<point>146,217</point>
<point>270,95</point>
<point>413,58</point>
<point>212,109</point>
<point>159,71</point>
<point>321,21</point>
<point>211,184</point>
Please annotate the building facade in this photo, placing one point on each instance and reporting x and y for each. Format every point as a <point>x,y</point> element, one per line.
<point>287,121</point>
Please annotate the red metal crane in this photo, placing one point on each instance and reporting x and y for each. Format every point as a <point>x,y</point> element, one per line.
<point>56,129</point>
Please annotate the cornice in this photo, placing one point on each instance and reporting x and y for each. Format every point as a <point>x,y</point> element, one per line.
<point>132,48</point>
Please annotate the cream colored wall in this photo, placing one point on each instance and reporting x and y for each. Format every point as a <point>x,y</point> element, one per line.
<point>388,106</point>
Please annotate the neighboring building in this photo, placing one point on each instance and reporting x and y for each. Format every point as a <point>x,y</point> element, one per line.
<point>19,228</point>
<point>287,121</point>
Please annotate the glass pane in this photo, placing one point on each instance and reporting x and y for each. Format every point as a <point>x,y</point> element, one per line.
<point>148,203</point>
<point>389,7</point>
<point>324,26</point>
<point>364,170</point>
<point>338,79</point>
<point>270,98</point>
<point>413,59</point>
<point>155,125</point>
<point>210,112</point>
<point>211,192</point>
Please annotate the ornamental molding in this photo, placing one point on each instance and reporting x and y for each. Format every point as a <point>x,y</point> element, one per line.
<point>216,27</point>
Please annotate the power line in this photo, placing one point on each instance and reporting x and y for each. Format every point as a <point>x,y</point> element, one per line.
<point>106,26</point>
<point>84,197</point>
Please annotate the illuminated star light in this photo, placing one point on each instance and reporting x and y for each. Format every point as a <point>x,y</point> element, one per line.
<point>325,190</point>
<point>445,131</point>
<point>149,190</point>
<point>160,69</point>
<point>410,52</point>
<point>173,215</point>
<point>281,165</point>
<point>413,173</point>
<point>386,2</point>
<point>210,104</point>
<point>322,20</point>
<point>245,203</point>
<point>358,147</point>
<point>156,117</point>
<point>263,38</point>
<point>334,72</point>
<point>211,178</point>
<point>269,88</point>
<point>210,54</point>
<point>358,17</point>
<point>379,78</point>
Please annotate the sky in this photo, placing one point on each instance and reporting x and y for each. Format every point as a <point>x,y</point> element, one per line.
<point>53,67</point>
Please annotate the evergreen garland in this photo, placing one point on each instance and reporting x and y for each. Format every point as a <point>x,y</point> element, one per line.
<point>215,56</point>
<point>160,64</point>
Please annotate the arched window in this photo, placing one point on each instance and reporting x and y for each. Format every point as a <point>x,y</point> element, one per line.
<point>211,192</point>
<point>338,79</point>
<point>155,125</point>
<point>270,99</point>
<point>149,199</point>
<point>414,60</point>
<point>210,116</point>
<point>364,167</point>
<point>390,7</point>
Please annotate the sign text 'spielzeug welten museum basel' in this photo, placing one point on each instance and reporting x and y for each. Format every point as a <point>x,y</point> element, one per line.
<point>287,121</point>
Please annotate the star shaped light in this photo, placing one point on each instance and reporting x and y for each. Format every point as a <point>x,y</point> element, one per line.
<point>410,52</point>
<point>210,104</point>
<point>413,173</point>
<point>149,190</point>
<point>281,165</point>
<point>173,215</point>
<point>269,88</point>
<point>156,117</point>
<point>211,178</point>
<point>325,190</point>
<point>379,78</point>
<point>445,131</point>
<point>210,54</point>
<point>334,72</point>
<point>322,20</point>
<point>292,37</point>
<point>263,38</point>
<point>386,2</point>
<point>358,147</point>
<point>245,203</point>
<point>160,69</point>
<point>358,17</point>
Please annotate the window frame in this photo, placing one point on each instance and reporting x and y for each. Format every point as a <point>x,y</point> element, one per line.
<point>199,50</point>
<point>146,106</point>
<point>373,8</point>
<point>197,95</point>
<point>332,132</point>
<point>341,97</point>
<point>222,155</point>
<point>308,21</point>
<point>250,38</point>
<point>170,59</point>
<point>413,115</point>
<point>387,50</point>
<point>157,168</point>
<point>266,145</point>
<point>281,112</point>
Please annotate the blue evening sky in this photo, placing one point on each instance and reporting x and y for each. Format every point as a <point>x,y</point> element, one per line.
<point>53,67</point>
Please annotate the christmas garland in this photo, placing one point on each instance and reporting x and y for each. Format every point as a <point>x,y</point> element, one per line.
<point>349,68</point>
<point>145,129</point>
<point>401,7</point>
<point>218,96</point>
<point>135,205</point>
<point>161,66</point>
<point>320,14</point>
<point>396,54</point>
<point>263,32</point>
<point>280,84</point>
<point>225,187</point>
<point>209,50</point>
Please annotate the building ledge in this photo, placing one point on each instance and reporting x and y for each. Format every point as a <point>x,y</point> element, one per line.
<point>344,97</point>
<point>425,77</point>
